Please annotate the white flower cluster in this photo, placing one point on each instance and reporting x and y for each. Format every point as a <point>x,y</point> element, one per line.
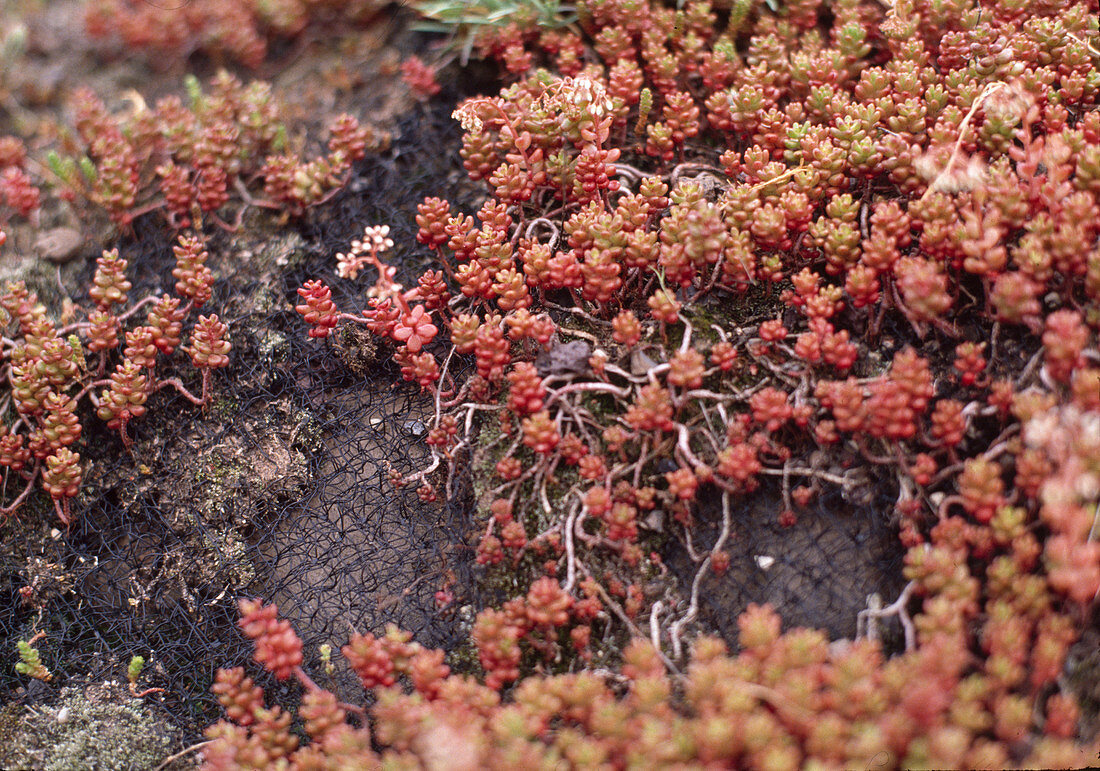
<point>583,91</point>
<point>375,238</point>
<point>364,250</point>
<point>466,115</point>
<point>580,92</point>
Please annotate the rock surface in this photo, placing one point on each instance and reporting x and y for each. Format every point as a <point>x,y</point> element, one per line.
<point>59,245</point>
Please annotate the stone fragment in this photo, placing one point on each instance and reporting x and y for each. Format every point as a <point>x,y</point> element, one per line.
<point>59,245</point>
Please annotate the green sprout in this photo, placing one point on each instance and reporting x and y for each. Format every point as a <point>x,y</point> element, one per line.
<point>30,663</point>
<point>133,671</point>
<point>326,658</point>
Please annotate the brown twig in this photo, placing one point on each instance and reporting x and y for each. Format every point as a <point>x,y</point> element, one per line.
<point>182,753</point>
<point>987,92</point>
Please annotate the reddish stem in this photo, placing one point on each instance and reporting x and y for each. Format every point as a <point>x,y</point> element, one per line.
<point>9,510</point>
<point>179,386</point>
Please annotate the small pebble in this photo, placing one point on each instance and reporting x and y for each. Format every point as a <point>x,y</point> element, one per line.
<point>59,245</point>
<point>763,561</point>
<point>655,520</point>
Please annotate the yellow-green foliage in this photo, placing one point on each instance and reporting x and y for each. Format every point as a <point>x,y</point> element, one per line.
<point>30,663</point>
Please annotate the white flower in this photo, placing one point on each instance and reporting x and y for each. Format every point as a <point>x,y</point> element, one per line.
<point>377,237</point>
<point>364,251</point>
<point>348,265</point>
<point>466,115</point>
<point>582,91</point>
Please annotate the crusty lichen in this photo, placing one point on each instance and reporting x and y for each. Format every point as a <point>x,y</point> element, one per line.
<point>98,728</point>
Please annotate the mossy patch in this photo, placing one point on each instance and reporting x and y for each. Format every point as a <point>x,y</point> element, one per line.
<point>98,728</point>
<point>357,348</point>
<point>1082,675</point>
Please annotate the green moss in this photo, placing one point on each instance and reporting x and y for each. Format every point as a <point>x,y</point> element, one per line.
<point>488,449</point>
<point>99,728</point>
<point>225,408</point>
<point>308,434</point>
<point>273,347</point>
<point>39,276</point>
<point>229,551</point>
<point>758,303</point>
<point>280,251</point>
